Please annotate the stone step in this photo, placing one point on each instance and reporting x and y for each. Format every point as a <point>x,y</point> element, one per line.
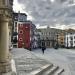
<point>51,70</point>
<point>59,72</point>
<point>41,70</point>
<point>48,69</point>
<point>29,66</point>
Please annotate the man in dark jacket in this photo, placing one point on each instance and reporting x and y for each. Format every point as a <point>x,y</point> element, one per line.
<point>43,47</point>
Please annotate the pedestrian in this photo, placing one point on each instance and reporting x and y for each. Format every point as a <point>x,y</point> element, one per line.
<point>43,49</point>
<point>43,46</point>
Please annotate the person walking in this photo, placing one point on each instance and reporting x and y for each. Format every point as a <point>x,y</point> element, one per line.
<point>43,47</point>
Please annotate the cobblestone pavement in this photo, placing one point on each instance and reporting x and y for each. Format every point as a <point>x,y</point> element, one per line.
<point>64,58</point>
<point>26,61</point>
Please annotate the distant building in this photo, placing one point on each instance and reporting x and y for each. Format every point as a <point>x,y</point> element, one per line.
<point>49,36</point>
<point>70,38</point>
<point>33,37</point>
<point>61,39</point>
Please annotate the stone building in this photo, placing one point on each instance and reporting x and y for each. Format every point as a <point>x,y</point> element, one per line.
<point>5,28</point>
<point>61,39</point>
<point>50,36</point>
<point>70,38</point>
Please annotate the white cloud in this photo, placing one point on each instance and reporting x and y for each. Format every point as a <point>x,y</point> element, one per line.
<point>52,0</point>
<point>16,6</point>
<point>19,7</point>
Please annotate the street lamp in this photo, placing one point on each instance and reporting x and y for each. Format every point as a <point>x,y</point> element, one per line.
<point>67,40</point>
<point>56,46</point>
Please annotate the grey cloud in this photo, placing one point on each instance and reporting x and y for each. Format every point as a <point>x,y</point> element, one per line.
<point>45,12</point>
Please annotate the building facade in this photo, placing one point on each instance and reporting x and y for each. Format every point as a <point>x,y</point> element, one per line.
<point>49,36</point>
<point>34,39</point>
<point>17,17</point>
<point>70,40</point>
<point>24,29</point>
<point>61,39</point>
<point>20,23</point>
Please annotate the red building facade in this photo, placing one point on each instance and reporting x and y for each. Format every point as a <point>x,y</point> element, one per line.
<point>17,18</point>
<point>24,29</point>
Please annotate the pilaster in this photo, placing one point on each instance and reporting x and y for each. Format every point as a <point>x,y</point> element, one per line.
<point>5,65</point>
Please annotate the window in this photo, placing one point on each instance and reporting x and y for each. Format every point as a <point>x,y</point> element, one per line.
<point>74,37</point>
<point>26,27</point>
<point>70,33</point>
<point>46,38</point>
<point>16,17</point>
<point>71,38</point>
<point>21,25</point>
<point>21,32</point>
<point>71,44</point>
<point>61,42</point>
<point>20,39</point>
<point>14,39</point>
<point>15,24</point>
<point>49,33</point>
<point>15,29</point>
<point>10,2</point>
<point>61,38</point>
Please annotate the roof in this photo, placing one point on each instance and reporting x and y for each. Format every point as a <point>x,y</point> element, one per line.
<point>20,14</point>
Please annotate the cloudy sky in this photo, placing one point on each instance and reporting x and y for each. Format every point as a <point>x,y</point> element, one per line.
<point>54,13</point>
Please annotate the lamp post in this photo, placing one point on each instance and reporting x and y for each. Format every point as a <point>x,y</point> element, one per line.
<point>57,41</point>
<point>56,46</point>
<point>67,39</point>
<point>5,18</point>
